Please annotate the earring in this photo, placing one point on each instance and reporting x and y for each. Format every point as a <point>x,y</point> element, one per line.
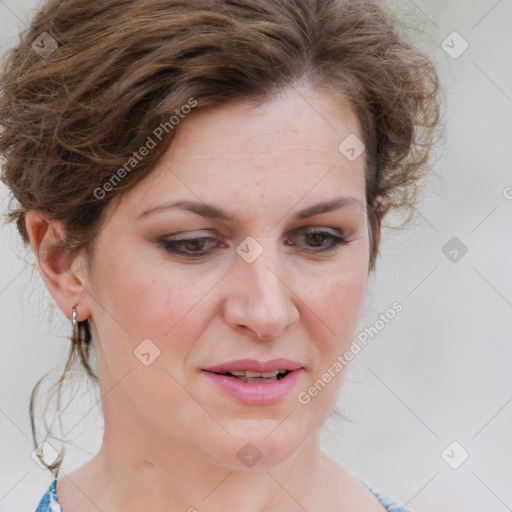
<point>74,324</point>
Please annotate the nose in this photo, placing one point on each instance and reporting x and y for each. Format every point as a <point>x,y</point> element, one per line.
<point>259,297</point>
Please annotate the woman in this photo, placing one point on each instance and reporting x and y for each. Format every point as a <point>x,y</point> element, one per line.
<point>203,184</point>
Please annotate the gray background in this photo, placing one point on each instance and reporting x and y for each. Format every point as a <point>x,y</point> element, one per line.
<point>438,373</point>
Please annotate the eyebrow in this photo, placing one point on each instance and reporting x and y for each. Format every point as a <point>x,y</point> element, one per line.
<point>210,211</point>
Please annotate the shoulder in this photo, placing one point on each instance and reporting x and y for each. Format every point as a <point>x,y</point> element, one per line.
<point>390,504</point>
<point>355,493</point>
<point>49,502</point>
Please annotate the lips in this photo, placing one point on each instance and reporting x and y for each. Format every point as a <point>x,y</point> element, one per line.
<point>256,382</point>
<point>253,365</point>
<point>248,376</point>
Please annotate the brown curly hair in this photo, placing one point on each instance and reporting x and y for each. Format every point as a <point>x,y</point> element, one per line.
<point>119,68</point>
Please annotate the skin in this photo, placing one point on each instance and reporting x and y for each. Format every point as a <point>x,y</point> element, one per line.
<point>171,437</point>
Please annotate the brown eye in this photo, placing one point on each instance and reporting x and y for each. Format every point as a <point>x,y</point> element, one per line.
<point>194,246</point>
<point>315,239</point>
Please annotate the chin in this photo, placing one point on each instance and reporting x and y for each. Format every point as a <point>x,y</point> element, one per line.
<point>257,444</point>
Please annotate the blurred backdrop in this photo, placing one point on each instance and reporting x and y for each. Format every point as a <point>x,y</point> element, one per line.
<point>429,399</point>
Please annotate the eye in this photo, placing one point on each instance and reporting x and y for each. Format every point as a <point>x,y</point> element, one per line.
<point>315,237</point>
<point>191,246</point>
<point>198,246</point>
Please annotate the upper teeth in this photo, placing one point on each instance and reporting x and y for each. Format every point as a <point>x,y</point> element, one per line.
<point>244,373</point>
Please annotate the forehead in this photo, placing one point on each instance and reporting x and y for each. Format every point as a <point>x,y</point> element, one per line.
<point>304,119</point>
<point>286,147</point>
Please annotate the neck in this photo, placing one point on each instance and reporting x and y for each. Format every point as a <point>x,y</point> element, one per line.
<point>150,475</point>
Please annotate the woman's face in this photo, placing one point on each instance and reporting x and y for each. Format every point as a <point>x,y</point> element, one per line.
<point>257,284</point>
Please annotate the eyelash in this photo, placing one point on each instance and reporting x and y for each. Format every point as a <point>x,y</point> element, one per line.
<point>171,245</point>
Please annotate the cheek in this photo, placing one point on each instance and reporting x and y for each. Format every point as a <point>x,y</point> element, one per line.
<point>340,304</point>
<point>135,301</point>
<point>336,305</point>
<point>336,297</point>
<point>168,304</point>
<point>144,303</point>
<point>149,299</point>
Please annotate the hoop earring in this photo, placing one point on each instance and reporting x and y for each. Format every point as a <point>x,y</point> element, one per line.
<point>74,324</point>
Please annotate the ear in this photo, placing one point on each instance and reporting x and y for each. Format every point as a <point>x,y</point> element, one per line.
<point>63,275</point>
